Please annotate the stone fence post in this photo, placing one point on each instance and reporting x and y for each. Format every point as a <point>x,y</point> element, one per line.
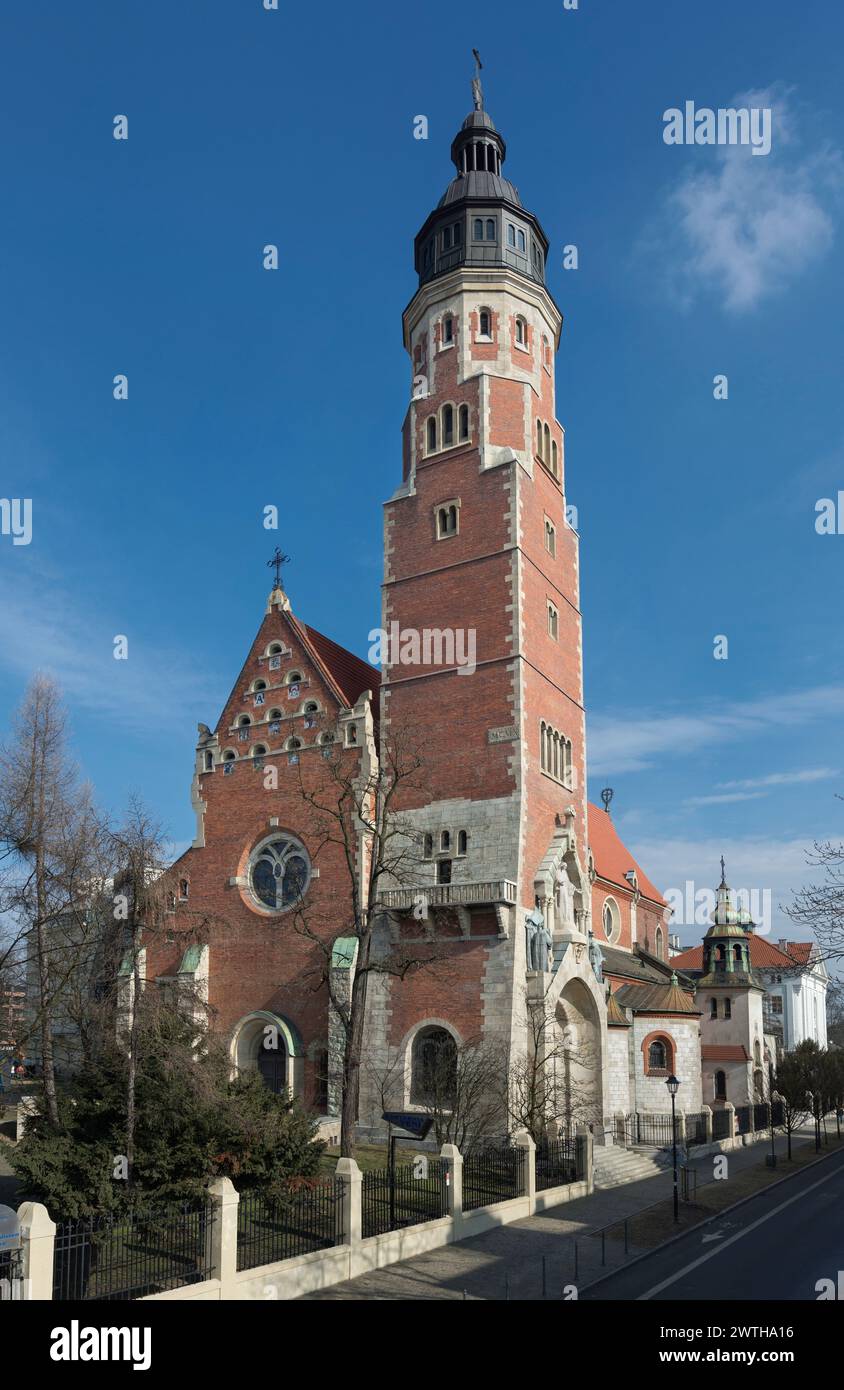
<point>522,1140</point>
<point>731,1111</point>
<point>38,1239</point>
<point>453,1160</point>
<point>222,1233</point>
<point>583,1145</point>
<point>349,1174</point>
<point>706,1111</point>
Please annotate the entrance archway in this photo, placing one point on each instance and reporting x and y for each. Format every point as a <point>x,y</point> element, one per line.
<point>267,1043</point>
<point>577,1057</point>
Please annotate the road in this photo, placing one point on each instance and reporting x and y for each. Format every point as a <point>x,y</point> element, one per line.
<point>776,1246</point>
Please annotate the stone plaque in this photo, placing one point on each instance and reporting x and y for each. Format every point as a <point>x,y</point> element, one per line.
<point>504,735</point>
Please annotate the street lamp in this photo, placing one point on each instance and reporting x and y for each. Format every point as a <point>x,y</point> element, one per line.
<point>673,1087</point>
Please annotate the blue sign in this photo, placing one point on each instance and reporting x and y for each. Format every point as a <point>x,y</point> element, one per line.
<point>416,1124</point>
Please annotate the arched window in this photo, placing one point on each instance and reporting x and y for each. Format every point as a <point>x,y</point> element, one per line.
<point>511,234</point>
<point>658,940</point>
<point>279,873</point>
<point>713,1008</point>
<point>521,331</point>
<point>757,1053</point>
<point>274,649</point>
<point>522,242</point>
<point>351,735</point>
<point>539,439</point>
<point>448,329</point>
<point>462,842</point>
<point>490,229</point>
<point>184,889</point>
<point>464,422</point>
<point>657,1056</point>
<point>478,229</point>
<point>432,435</point>
<point>433,1075</point>
<point>720,1085</point>
<point>294,677</point>
<point>447,520</point>
<point>259,751</point>
<point>427,846</point>
<point>728,1008</point>
<point>229,755</point>
<point>547,449</point>
<point>555,466</point>
<point>243,720</point>
<point>259,685</point>
<point>448,425</point>
<point>611,919</point>
<point>293,744</point>
<point>209,762</point>
<point>485,324</point>
<point>445,841</point>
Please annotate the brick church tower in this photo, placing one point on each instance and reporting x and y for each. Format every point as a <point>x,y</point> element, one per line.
<point>481,560</point>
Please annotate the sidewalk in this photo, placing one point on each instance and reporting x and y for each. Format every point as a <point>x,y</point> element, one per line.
<point>512,1255</point>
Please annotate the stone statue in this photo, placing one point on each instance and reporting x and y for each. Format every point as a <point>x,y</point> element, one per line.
<point>533,921</point>
<point>542,944</point>
<point>566,897</point>
<point>596,958</point>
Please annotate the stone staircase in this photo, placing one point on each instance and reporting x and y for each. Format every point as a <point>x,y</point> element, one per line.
<point>615,1166</point>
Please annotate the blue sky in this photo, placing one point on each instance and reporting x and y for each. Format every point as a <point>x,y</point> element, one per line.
<point>249,388</point>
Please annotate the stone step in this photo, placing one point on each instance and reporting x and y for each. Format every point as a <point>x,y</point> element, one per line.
<point>615,1167</point>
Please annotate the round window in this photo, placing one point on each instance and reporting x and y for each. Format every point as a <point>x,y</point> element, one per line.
<point>279,874</point>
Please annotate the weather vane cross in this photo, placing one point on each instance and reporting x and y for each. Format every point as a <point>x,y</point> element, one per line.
<point>477,89</point>
<point>276,563</point>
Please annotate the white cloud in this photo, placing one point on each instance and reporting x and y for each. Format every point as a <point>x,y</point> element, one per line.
<point>619,743</point>
<point>749,226</point>
<point>42,630</point>
<point>722,799</point>
<point>781,779</point>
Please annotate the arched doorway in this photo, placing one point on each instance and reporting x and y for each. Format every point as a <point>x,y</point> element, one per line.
<point>576,1057</point>
<point>269,1044</point>
<point>272,1064</point>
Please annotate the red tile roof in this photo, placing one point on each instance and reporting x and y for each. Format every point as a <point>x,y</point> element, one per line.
<point>350,674</point>
<point>763,955</point>
<point>724,1053</point>
<point>612,857</point>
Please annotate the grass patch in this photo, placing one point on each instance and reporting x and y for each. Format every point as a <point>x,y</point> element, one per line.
<point>368,1158</point>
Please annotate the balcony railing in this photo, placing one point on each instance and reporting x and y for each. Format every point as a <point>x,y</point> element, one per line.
<point>451,894</point>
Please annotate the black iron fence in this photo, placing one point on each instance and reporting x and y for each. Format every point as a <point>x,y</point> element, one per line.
<point>721,1128</point>
<point>133,1254</point>
<point>651,1129</point>
<point>411,1193</point>
<point>696,1128</point>
<point>269,1230</point>
<point>744,1119</point>
<point>761,1116</point>
<point>492,1175</point>
<point>556,1164</point>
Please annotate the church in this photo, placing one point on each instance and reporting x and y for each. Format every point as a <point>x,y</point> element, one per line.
<point>536,897</point>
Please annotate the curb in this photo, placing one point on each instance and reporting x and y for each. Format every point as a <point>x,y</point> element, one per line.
<point>681,1235</point>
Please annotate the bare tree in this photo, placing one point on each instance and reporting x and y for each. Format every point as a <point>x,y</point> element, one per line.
<point>551,1077</point>
<point>820,906</point>
<point>50,843</point>
<point>462,1088</point>
<point>355,810</point>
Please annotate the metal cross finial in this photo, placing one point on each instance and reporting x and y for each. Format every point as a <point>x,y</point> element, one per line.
<point>477,89</point>
<point>276,562</point>
<point>606,797</point>
<point>723,870</point>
